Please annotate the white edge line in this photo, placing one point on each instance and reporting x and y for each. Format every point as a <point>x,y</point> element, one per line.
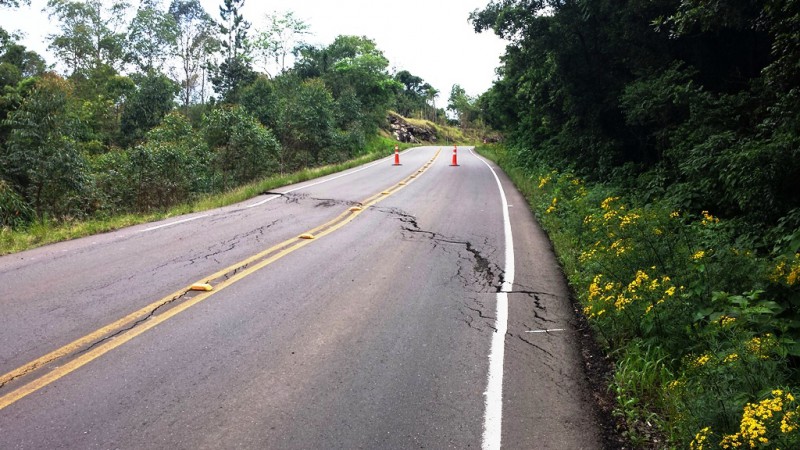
<point>493,419</point>
<point>174,223</point>
<point>286,192</point>
<point>332,178</point>
<point>261,202</point>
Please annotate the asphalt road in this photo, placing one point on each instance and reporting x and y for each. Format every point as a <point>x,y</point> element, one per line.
<point>376,334</point>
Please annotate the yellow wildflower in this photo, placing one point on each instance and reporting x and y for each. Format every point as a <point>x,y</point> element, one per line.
<point>641,277</point>
<point>761,347</point>
<point>731,441</point>
<point>606,204</point>
<point>594,288</point>
<point>731,358</point>
<point>586,256</point>
<point>700,439</point>
<point>700,254</point>
<point>778,272</point>
<point>552,206</point>
<point>543,181</point>
<point>785,272</point>
<point>701,360</point>
<point>628,219</point>
<point>791,279</point>
<point>618,247</point>
<point>670,291</point>
<point>789,422</point>
<point>708,218</point>
<point>753,426</point>
<point>674,384</point>
<point>622,302</point>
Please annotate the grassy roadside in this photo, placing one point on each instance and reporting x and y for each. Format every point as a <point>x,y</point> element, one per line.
<point>39,234</point>
<point>703,329</point>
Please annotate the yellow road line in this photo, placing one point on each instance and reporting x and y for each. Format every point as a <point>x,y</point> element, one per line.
<point>282,249</point>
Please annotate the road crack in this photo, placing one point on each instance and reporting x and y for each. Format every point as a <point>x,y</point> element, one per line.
<point>532,344</point>
<point>136,323</point>
<point>476,271</point>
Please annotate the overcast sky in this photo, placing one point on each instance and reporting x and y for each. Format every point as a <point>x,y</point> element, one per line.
<point>430,38</point>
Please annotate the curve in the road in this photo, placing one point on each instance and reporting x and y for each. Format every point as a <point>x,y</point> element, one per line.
<point>100,342</point>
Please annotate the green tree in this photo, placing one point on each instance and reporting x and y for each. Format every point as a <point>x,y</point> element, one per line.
<point>260,99</point>
<point>16,61</point>
<point>355,63</point>
<point>462,105</point>
<point>16,64</point>
<point>307,117</point>
<point>414,94</point>
<point>152,37</point>
<point>171,165</point>
<point>147,105</point>
<point>235,71</point>
<point>282,35</point>
<point>88,35</point>
<point>196,40</point>
<point>41,155</point>
<point>431,93</point>
<point>244,149</point>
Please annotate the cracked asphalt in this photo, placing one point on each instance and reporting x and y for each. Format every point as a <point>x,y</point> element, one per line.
<point>375,336</point>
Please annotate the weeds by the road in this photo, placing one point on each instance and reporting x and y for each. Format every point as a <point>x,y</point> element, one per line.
<point>47,232</point>
<point>703,329</point>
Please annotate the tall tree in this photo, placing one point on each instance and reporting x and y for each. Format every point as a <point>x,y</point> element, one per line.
<point>353,64</point>
<point>89,34</point>
<point>281,36</point>
<point>196,39</point>
<point>145,106</point>
<point>430,96</point>
<point>16,61</point>
<point>41,155</point>
<point>412,98</point>
<point>235,71</point>
<point>152,37</point>
<point>462,105</point>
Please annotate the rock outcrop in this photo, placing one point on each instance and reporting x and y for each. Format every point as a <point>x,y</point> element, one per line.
<point>404,131</point>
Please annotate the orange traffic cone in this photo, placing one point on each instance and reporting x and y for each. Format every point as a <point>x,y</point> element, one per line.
<point>455,156</point>
<point>396,156</point>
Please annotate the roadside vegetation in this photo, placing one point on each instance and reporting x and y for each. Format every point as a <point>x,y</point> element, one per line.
<point>47,232</point>
<point>657,144</point>
<point>158,108</point>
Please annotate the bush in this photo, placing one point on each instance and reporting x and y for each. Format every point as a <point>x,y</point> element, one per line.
<point>243,148</point>
<point>14,211</point>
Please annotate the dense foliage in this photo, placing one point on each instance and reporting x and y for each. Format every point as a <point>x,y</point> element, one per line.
<point>675,203</point>
<point>128,122</point>
<point>680,98</point>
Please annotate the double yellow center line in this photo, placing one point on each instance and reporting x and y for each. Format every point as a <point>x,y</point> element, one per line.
<point>94,345</point>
